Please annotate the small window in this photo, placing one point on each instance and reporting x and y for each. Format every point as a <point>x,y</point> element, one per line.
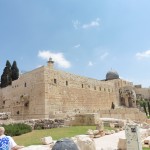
<point>3,102</point>
<point>82,85</point>
<point>25,84</point>
<point>18,112</point>
<point>94,87</point>
<point>55,81</point>
<point>66,83</point>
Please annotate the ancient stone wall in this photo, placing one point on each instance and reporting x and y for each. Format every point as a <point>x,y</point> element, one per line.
<point>124,113</point>
<point>44,92</point>
<point>142,92</point>
<point>67,92</point>
<point>85,119</point>
<point>25,97</point>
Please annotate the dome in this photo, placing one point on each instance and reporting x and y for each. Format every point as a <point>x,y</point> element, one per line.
<point>112,75</point>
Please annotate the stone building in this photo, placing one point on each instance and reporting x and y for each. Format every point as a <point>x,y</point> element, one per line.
<point>46,92</point>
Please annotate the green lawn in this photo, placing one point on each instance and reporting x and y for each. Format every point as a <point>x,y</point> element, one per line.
<point>33,138</point>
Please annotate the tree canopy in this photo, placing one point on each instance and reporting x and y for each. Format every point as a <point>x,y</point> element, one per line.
<point>10,73</point>
<point>15,71</point>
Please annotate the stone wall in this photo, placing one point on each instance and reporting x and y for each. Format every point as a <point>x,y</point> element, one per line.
<point>43,92</point>
<point>145,92</point>
<point>85,119</point>
<point>124,113</point>
<point>25,97</point>
<point>67,92</point>
<point>37,123</point>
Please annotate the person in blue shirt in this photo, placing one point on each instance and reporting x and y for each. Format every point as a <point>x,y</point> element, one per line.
<point>7,142</point>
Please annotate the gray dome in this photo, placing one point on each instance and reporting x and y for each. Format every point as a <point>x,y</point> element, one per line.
<point>112,75</point>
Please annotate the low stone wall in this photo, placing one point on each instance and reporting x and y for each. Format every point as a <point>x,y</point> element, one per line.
<point>5,115</point>
<point>45,123</point>
<point>84,119</point>
<point>38,123</point>
<point>124,113</point>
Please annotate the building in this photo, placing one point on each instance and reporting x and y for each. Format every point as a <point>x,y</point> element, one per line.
<point>46,92</point>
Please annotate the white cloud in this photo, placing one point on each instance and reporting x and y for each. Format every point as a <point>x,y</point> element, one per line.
<point>38,66</point>
<point>76,24</point>
<point>90,63</point>
<point>58,58</point>
<point>142,55</point>
<point>104,55</point>
<point>92,24</point>
<point>77,46</point>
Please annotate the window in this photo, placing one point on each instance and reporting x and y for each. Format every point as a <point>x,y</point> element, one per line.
<point>66,83</point>
<point>55,81</point>
<point>82,85</point>
<point>18,112</point>
<point>94,87</point>
<point>25,84</point>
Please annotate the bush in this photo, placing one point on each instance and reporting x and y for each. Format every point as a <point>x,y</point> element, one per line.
<point>17,129</point>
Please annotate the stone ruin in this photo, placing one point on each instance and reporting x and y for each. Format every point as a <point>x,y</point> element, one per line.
<point>5,115</point>
<point>37,123</point>
<point>127,97</point>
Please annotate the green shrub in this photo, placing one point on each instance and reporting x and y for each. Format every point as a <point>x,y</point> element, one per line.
<point>17,129</point>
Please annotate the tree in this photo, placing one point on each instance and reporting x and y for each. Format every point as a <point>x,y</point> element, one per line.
<point>3,80</point>
<point>15,71</point>
<point>144,106</point>
<point>6,76</point>
<point>148,104</point>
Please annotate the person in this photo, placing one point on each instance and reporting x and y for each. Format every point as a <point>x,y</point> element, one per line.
<point>7,142</point>
<point>65,144</point>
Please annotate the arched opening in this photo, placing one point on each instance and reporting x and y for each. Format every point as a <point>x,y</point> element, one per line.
<point>123,101</point>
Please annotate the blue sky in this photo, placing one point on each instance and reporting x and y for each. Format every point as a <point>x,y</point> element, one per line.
<point>84,37</point>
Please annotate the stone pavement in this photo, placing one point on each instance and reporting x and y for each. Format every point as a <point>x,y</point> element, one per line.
<point>109,142</point>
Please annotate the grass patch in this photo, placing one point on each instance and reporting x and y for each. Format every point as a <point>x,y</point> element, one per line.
<point>33,138</point>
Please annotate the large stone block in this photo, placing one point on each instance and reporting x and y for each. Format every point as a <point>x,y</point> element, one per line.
<point>84,142</point>
<point>46,140</point>
<point>122,145</point>
<point>86,119</point>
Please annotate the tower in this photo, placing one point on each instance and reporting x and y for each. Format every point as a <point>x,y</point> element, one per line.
<point>50,63</point>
